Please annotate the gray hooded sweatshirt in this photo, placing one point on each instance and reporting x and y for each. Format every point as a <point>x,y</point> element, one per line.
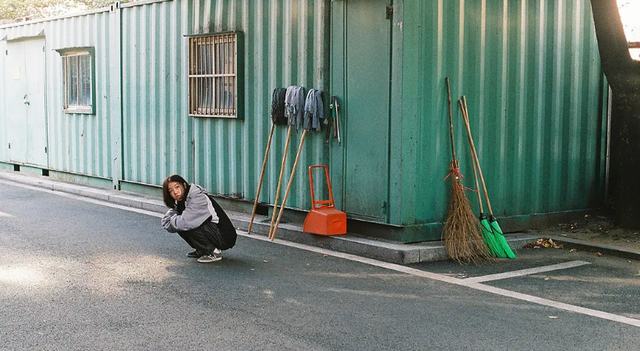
<point>197,210</point>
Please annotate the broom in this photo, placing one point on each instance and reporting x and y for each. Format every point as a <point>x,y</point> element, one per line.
<point>460,231</point>
<point>495,228</point>
<point>485,228</point>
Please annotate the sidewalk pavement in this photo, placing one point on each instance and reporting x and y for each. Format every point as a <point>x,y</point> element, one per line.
<point>387,251</point>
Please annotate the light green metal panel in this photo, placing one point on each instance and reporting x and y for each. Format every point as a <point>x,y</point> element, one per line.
<point>23,72</point>
<point>157,133</point>
<point>25,122</point>
<point>4,150</point>
<point>80,143</point>
<point>402,186</point>
<point>365,109</point>
<point>531,73</point>
<point>284,43</point>
<point>31,102</point>
<point>76,143</point>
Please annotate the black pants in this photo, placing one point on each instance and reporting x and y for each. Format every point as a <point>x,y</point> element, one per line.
<point>207,237</point>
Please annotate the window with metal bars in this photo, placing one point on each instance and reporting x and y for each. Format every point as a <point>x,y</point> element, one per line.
<point>213,80</point>
<point>77,82</point>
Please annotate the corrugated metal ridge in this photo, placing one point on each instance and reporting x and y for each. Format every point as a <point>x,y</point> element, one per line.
<point>83,13</point>
<point>24,37</point>
<point>49,19</point>
<point>140,3</point>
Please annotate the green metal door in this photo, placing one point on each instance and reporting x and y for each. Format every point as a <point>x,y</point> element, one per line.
<point>362,77</point>
<point>26,102</point>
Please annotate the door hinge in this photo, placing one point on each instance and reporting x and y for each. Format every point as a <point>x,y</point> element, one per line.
<point>45,149</point>
<point>9,145</point>
<point>389,12</point>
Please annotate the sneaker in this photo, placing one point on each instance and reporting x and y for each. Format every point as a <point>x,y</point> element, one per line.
<point>195,254</point>
<point>217,251</point>
<point>209,258</point>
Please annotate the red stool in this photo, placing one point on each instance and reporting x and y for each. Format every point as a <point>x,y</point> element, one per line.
<point>324,219</point>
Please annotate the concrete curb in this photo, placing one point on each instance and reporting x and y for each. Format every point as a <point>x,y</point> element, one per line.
<point>386,251</point>
<point>604,249</point>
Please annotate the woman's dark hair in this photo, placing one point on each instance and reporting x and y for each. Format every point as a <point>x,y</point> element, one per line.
<point>168,200</point>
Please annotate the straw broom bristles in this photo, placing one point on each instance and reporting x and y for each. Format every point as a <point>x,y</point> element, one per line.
<point>461,232</point>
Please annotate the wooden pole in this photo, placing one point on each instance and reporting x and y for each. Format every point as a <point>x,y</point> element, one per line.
<point>463,106</point>
<point>264,164</point>
<point>453,149</point>
<point>284,159</point>
<point>286,194</point>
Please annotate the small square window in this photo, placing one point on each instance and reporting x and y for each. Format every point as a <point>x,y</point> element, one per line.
<point>213,80</point>
<point>77,82</point>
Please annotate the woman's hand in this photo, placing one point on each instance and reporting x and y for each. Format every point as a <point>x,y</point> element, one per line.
<point>166,220</point>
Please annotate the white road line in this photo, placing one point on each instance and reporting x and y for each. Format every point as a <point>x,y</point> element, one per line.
<point>392,266</point>
<point>456,281</point>
<point>85,199</point>
<point>528,271</point>
<point>556,304</point>
<point>2,214</point>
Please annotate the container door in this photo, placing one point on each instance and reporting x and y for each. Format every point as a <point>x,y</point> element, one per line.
<point>361,82</point>
<point>26,116</point>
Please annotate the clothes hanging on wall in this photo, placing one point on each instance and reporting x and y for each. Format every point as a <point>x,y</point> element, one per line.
<point>294,105</point>
<point>313,110</point>
<point>277,106</point>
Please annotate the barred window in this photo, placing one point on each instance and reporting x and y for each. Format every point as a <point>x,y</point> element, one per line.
<point>77,81</point>
<point>213,82</point>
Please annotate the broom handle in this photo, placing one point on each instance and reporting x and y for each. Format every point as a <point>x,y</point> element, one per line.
<point>286,193</point>
<point>264,164</point>
<point>453,149</point>
<point>475,153</point>
<point>284,158</point>
<point>475,171</point>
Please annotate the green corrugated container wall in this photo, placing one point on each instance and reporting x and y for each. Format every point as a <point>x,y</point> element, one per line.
<point>285,43</point>
<point>77,143</point>
<point>531,73</point>
<point>3,110</point>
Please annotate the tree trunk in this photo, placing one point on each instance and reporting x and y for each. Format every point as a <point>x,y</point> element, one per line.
<point>623,74</point>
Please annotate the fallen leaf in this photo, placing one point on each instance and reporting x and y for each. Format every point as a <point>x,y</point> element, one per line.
<point>599,254</point>
<point>573,250</point>
<point>546,278</point>
<point>553,317</point>
<point>325,255</point>
<point>265,261</point>
<point>540,243</point>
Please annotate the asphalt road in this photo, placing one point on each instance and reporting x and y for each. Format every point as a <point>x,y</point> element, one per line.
<point>76,275</point>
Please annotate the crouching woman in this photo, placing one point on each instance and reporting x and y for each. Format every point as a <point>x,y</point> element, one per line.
<point>197,218</point>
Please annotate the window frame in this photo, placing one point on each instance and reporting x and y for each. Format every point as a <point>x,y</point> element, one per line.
<point>67,54</point>
<point>204,100</point>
